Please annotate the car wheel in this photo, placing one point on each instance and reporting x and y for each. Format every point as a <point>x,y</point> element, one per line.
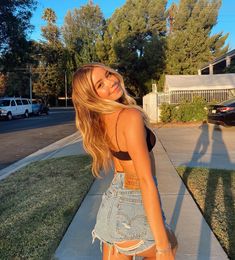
<point>227,124</point>
<point>9,116</point>
<point>26,114</point>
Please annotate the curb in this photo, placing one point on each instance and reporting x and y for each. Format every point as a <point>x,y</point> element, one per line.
<point>42,154</point>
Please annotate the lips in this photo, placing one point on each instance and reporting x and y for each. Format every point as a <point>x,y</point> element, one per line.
<point>116,88</point>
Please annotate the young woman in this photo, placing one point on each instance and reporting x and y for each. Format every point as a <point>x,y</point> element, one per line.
<point>130,221</point>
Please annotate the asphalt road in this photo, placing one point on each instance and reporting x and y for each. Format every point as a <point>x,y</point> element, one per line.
<point>23,136</point>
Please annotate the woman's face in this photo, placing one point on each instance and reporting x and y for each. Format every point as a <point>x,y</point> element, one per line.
<point>107,85</point>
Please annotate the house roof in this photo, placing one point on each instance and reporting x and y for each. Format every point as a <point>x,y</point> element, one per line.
<point>199,82</point>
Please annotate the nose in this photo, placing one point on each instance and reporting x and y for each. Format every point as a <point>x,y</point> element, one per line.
<point>112,81</point>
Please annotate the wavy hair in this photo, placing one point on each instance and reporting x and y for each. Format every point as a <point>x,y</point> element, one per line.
<point>89,106</point>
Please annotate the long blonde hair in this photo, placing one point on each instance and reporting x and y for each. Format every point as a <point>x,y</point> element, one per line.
<point>89,106</point>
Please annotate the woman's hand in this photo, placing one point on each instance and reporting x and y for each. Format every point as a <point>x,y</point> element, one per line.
<point>168,255</point>
<point>170,252</point>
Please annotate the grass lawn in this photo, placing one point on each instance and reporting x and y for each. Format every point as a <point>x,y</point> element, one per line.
<point>214,192</point>
<point>37,204</point>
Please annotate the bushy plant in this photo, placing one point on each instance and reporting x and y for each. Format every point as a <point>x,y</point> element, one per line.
<point>190,111</point>
<point>166,112</point>
<point>186,111</point>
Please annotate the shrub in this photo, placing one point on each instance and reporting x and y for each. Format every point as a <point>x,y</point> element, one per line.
<point>166,112</point>
<point>191,111</point>
<point>185,112</point>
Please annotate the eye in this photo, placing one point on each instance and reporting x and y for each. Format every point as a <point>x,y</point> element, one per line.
<point>108,74</point>
<point>100,85</point>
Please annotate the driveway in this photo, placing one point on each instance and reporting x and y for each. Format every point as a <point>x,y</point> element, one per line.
<point>199,146</point>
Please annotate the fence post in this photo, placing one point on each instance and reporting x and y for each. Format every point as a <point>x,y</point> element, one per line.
<point>150,106</point>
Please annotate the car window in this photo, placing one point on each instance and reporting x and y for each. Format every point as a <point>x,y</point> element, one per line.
<point>4,103</point>
<point>18,102</point>
<point>25,102</point>
<point>228,102</point>
<point>13,103</point>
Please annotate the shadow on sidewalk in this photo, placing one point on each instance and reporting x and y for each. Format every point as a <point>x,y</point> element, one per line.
<point>221,181</point>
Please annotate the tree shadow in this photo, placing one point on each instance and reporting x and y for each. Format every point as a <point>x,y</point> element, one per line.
<point>218,183</point>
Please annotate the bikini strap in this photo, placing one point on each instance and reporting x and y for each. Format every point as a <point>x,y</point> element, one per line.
<point>116,127</point>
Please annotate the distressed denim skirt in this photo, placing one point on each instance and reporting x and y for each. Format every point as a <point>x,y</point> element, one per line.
<point>122,217</point>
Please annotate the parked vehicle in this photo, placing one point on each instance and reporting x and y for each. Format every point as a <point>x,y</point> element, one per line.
<point>15,106</point>
<point>223,113</point>
<point>38,107</point>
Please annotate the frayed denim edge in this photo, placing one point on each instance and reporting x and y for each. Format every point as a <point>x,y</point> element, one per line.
<point>94,236</point>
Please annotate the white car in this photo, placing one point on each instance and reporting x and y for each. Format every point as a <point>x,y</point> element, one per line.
<point>15,106</point>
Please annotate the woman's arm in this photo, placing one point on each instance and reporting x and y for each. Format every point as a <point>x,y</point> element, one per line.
<point>134,133</point>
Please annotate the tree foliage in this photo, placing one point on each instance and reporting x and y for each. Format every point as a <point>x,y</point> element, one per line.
<point>14,25</point>
<point>134,40</point>
<point>3,82</point>
<point>50,32</point>
<point>142,40</point>
<point>14,47</point>
<point>82,28</point>
<point>48,77</point>
<point>190,43</point>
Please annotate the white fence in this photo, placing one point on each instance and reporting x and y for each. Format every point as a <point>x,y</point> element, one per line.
<point>176,97</point>
<point>153,100</point>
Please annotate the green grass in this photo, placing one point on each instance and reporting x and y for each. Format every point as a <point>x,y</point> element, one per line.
<point>214,192</point>
<point>37,204</point>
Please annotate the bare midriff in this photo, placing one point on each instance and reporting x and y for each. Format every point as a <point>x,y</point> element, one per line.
<point>131,180</point>
<point>128,166</point>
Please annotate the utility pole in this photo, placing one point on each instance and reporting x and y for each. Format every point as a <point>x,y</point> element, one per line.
<point>65,88</point>
<point>30,84</point>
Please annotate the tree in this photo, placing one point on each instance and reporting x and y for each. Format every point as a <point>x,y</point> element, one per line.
<point>48,76</point>
<point>82,28</point>
<point>50,32</point>
<point>14,47</point>
<point>190,43</point>
<point>14,25</point>
<point>48,82</point>
<point>134,42</point>
<point>3,81</point>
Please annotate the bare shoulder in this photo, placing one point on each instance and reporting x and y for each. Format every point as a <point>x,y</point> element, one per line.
<point>131,115</point>
<point>131,119</point>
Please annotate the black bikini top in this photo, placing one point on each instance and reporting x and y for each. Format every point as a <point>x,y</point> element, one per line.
<point>124,155</point>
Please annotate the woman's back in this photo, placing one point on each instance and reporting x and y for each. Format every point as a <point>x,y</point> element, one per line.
<point>115,124</point>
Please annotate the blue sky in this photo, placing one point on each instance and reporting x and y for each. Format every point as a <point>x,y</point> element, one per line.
<point>226,18</point>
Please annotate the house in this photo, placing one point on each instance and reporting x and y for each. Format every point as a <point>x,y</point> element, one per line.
<point>199,82</point>
<point>210,87</point>
<point>218,65</point>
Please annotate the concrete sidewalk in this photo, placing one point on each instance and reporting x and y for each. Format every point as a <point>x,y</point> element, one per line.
<point>196,240</point>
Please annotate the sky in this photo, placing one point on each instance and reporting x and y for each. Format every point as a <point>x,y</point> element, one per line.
<point>226,18</point>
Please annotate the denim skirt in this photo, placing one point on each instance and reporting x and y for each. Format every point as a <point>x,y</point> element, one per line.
<point>121,217</point>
